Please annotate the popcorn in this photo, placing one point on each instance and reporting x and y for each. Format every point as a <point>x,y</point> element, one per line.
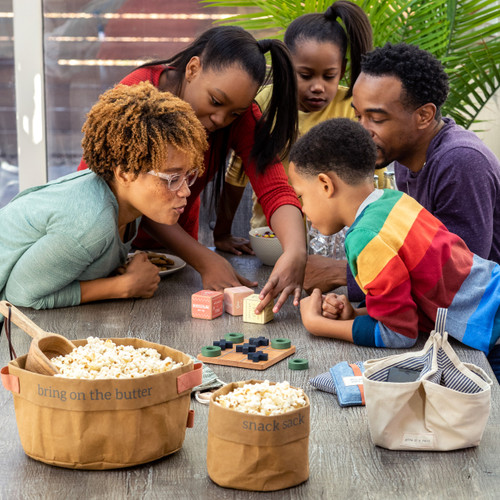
<point>103,359</point>
<point>263,398</point>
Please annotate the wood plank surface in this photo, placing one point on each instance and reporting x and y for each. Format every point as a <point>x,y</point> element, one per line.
<point>344,463</point>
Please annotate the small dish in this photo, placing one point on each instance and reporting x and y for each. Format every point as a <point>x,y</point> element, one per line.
<point>177,266</point>
<point>266,245</point>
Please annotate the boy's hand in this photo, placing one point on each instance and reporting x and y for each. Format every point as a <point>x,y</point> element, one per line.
<point>310,309</point>
<point>337,307</point>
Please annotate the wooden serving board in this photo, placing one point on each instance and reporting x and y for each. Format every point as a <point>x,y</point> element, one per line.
<point>230,357</point>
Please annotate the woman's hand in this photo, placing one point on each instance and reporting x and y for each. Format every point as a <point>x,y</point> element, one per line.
<point>337,307</point>
<point>233,244</point>
<point>142,277</point>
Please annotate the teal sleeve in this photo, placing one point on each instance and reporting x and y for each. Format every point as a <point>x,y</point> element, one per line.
<point>46,275</point>
<point>372,333</point>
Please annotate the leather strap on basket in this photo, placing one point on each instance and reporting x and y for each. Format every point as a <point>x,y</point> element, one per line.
<point>10,382</point>
<point>357,371</point>
<point>190,419</point>
<point>190,379</point>
<point>12,352</point>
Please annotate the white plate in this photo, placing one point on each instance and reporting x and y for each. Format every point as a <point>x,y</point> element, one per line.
<point>178,263</point>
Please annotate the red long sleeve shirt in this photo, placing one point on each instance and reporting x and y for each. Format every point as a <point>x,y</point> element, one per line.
<point>272,187</point>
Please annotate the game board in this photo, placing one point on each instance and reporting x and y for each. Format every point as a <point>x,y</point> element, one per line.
<point>230,357</point>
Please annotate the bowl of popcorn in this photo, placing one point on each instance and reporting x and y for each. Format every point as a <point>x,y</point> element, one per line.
<point>266,245</point>
<point>104,359</point>
<point>115,403</point>
<point>258,436</point>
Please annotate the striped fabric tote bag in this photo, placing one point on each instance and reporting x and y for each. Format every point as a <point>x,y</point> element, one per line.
<point>426,400</point>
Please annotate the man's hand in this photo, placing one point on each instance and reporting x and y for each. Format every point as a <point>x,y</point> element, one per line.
<point>324,273</point>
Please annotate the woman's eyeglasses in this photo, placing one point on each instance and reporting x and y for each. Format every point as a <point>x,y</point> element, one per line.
<point>175,181</point>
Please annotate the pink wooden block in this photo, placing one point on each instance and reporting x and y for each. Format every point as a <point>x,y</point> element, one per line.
<point>207,304</point>
<point>233,299</point>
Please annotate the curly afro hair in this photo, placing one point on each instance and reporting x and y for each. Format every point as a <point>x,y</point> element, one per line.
<point>131,127</point>
<point>338,145</point>
<point>422,75</point>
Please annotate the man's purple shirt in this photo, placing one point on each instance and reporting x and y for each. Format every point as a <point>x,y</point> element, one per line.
<point>460,185</point>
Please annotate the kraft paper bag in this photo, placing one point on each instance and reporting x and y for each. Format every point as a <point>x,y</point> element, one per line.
<point>257,452</point>
<point>445,408</point>
<point>103,424</point>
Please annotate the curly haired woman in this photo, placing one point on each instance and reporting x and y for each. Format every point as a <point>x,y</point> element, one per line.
<point>64,240</point>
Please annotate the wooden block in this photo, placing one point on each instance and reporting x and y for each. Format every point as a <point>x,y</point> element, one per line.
<point>223,344</point>
<point>246,348</point>
<point>207,304</point>
<point>233,299</point>
<point>258,356</point>
<point>258,341</point>
<point>249,305</point>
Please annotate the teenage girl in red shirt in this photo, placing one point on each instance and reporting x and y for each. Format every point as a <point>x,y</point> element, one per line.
<point>219,75</point>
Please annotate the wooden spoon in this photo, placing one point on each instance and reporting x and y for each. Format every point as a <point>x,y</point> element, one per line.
<point>44,346</point>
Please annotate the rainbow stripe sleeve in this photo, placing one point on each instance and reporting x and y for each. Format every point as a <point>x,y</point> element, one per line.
<point>408,264</point>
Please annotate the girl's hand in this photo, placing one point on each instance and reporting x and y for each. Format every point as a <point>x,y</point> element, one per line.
<point>217,274</point>
<point>233,244</point>
<point>288,273</point>
<point>286,279</point>
<point>337,307</point>
<point>142,277</point>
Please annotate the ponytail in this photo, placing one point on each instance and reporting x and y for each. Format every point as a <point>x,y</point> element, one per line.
<point>359,34</point>
<point>277,128</point>
<point>224,46</point>
<point>344,24</point>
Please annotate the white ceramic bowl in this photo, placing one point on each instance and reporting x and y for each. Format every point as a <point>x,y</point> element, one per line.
<point>268,250</point>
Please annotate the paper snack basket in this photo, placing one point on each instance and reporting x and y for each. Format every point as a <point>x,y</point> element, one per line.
<point>103,424</point>
<point>257,452</point>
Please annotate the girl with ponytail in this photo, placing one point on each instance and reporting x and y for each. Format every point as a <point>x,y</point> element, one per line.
<point>321,44</point>
<point>219,75</point>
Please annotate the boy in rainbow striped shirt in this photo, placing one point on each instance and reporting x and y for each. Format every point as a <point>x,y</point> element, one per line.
<point>403,258</point>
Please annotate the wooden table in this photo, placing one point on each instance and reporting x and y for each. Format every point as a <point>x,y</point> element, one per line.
<point>344,462</point>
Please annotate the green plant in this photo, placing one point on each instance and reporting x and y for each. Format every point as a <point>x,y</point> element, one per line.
<point>463,34</point>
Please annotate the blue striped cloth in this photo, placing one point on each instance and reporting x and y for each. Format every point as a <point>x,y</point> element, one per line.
<point>333,381</point>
